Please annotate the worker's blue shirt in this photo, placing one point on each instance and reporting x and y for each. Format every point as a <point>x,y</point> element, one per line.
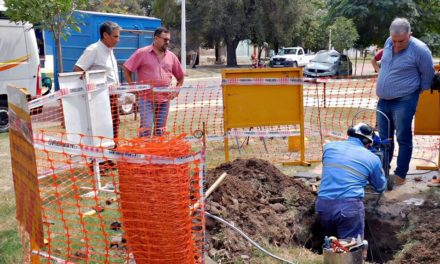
<point>406,72</point>
<point>347,167</point>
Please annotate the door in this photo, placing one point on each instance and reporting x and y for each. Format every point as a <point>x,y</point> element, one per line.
<point>301,61</point>
<point>344,67</point>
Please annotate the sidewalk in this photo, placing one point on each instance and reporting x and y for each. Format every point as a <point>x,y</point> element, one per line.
<point>205,71</point>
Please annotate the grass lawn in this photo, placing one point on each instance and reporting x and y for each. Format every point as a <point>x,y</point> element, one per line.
<point>10,247</point>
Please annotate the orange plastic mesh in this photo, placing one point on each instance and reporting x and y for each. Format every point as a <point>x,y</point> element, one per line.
<point>155,203</point>
<point>139,208</point>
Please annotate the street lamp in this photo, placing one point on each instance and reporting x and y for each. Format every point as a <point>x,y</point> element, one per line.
<point>149,10</point>
<point>183,35</point>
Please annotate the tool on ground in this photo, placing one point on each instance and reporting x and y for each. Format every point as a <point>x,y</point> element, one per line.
<point>115,226</point>
<point>210,190</point>
<point>110,201</point>
<point>95,209</point>
<point>336,245</point>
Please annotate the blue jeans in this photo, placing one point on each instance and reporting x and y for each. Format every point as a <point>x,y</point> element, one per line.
<point>343,218</point>
<point>401,112</point>
<point>152,116</point>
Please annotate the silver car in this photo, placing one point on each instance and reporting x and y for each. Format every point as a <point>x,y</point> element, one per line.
<point>328,64</point>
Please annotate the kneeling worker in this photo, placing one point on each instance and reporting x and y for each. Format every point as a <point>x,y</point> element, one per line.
<point>347,168</point>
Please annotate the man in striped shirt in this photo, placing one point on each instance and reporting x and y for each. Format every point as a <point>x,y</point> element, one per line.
<point>406,70</point>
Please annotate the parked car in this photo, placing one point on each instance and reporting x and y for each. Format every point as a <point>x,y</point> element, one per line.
<point>327,64</point>
<point>290,57</point>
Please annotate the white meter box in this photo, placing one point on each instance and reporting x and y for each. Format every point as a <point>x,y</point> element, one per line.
<point>86,108</point>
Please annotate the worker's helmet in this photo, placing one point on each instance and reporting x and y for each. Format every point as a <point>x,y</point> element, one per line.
<point>362,131</point>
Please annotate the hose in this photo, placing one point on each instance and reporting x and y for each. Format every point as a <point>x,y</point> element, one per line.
<point>247,238</point>
<point>421,173</point>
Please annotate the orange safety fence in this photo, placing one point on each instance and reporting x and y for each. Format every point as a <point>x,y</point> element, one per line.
<point>330,106</point>
<point>119,188</point>
<point>101,206</point>
<point>155,203</point>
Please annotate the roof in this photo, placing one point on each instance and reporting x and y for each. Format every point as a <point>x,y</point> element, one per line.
<point>114,14</point>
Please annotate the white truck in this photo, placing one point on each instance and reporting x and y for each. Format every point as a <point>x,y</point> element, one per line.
<point>290,57</point>
<point>19,62</point>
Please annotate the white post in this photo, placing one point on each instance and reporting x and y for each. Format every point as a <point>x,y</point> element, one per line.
<point>183,36</point>
<point>330,40</point>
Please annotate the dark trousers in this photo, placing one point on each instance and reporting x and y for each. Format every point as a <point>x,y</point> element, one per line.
<point>343,218</point>
<point>114,104</point>
<point>400,112</point>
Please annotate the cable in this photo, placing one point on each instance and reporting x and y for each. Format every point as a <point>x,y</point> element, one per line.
<point>247,238</point>
<point>375,243</point>
<point>421,173</point>
<point>427,160</point>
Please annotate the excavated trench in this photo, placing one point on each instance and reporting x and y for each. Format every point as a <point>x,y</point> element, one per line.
<point>381,232</point>
<point>275,209</point>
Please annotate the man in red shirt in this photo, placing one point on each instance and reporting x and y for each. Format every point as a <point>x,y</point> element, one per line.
<point>154,65</point>
<point>375,59</point>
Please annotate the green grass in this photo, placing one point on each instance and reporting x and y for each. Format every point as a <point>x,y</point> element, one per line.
<point>293,254</point>
<point>10,247</point>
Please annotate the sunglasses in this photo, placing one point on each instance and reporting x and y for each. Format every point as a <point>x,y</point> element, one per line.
<point>164,39</point>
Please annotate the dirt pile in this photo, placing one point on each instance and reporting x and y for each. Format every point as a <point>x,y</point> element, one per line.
<point>404,231</point>
<point>269,206</point>
<point>422,238</point>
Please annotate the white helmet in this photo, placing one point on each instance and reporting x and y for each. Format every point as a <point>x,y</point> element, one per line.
<point>363,131</point>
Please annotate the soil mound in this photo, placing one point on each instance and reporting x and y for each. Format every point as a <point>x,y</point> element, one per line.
<point>422,239</point>
<point>269,206</point>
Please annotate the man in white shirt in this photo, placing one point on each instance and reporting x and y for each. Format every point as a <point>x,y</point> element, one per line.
<point>99,56</point>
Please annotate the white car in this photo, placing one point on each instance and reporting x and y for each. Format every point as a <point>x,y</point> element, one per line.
<point>290,57</point>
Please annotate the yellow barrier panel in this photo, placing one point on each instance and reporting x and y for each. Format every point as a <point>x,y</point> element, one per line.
<point>255,102</point>
<point>427,119</point>
<point>24,169</point>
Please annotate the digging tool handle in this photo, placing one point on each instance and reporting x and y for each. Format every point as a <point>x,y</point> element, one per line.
<point>211,189</point>
<point>215,185</point>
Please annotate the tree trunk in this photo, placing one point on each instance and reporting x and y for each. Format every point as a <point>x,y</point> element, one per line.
<point>260,49</point>
<point>60,53</point>
<point>277,47</point>
<point>218,56</point>
<point>231,47</point>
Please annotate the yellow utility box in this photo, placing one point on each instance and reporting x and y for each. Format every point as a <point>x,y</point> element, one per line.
<point>427,118</point>
<point>263,97</point>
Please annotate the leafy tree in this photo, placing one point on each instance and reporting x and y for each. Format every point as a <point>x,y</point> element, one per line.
<point>226,20</point>
<point>201,30</point>
<point>133,7</point>
<point>433,42</point>
<point>426,26</point>
<point>372,18</point>
<point>280,20</point>
<point>54,15</point>
<point>344,34</point>
<point>262,21</point>
<point>168,11</point>
<point>310,33</point>
<point>427,20</point>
